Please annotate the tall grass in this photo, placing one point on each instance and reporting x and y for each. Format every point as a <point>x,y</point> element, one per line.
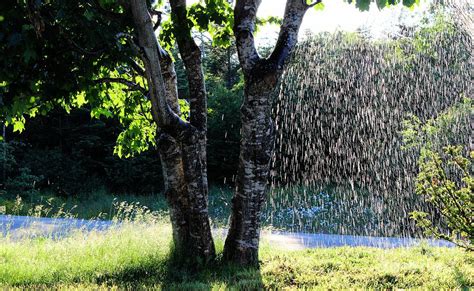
<point>137,253</point>
<point>95,204</point>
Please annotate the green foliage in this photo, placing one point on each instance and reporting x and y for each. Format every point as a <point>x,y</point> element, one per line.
<point>445,175</point>
<point>24,183</point>
<point>364,5</point>
<point>67,48</point>
<point>74,154</point>
<point>451,126</point>
<point>451,194</point>
<point>55,52</point>
<point>223,129</point>
<point>319,6</point>
<point>7,159</point>
<point>137,138</point>
<point>214,17</point>
<point>50,54</point>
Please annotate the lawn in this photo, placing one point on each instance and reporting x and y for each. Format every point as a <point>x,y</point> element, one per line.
<point>138,255</point>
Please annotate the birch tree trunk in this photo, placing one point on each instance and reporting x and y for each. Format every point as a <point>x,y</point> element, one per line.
<point>181,144</point>
<point>255,152</point>
<point>261,80</point>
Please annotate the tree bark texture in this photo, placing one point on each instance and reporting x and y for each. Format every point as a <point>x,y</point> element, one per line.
<point>255,152</point>
<point>261,81</point>
<point>181,144</point>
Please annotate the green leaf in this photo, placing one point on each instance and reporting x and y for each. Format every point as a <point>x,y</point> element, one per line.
<point>319,6</point>
<point>363,5</point>
<point>409,3</point>
<point>18,125</point>
<point>381,3</point>
<point>80,99</point>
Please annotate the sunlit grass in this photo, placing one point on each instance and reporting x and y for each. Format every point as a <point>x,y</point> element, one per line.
<point>90,257</point>
<point>138,254</point>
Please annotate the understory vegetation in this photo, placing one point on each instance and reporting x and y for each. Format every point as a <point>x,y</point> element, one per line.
<point>139,255</point>
<point>445,177</point>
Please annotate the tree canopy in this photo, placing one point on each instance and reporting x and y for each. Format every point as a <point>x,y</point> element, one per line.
<point>69,54</point>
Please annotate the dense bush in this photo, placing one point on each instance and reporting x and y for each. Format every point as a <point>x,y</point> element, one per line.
<point>445,177</point>
<point>452,195</point>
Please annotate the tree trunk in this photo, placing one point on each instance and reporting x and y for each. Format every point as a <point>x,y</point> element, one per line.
<point>175,191</point>
<point>181,144</point>
<point>188,212</point>
<point>256,148</point>
<point>196,182</point>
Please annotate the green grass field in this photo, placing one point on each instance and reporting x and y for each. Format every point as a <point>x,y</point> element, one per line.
<point>138,255</point>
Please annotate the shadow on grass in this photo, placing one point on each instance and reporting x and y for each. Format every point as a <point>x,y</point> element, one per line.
<point>215,275</point>
<point>175,273</point>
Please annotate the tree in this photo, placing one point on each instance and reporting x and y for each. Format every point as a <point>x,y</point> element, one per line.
<point>105,54</point>
<point>262,76</point>
<point>101,54</point>
<point>261,80</point>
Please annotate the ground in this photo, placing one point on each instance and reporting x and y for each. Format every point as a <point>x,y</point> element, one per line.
<point>138,255</point>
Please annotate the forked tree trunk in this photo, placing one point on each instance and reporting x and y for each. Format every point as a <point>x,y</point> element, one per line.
<point>181,144</point>
<point>261,79</point>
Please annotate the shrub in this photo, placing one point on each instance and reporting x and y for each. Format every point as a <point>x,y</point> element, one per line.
<point>445,175</point>
<point>448,184</point>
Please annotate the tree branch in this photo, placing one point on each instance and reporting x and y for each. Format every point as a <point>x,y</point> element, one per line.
<point>171,80</point>
<point>136,67</point>
<point>245,14</point>
<point>163,115</point>
<point>288,37</point>
<point>191,55</point>
<point>167,67</point>
<point>157,13</point>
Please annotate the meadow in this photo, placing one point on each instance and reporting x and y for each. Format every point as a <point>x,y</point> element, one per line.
<point>137,253</point>
<point>140,256</point>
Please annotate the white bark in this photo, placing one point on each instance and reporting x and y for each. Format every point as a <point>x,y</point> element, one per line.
<point>261,80</point>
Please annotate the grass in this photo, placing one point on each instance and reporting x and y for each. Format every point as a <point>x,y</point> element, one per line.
<point>97,204</point>
<point>137,255</point>
<point>313,209</point>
